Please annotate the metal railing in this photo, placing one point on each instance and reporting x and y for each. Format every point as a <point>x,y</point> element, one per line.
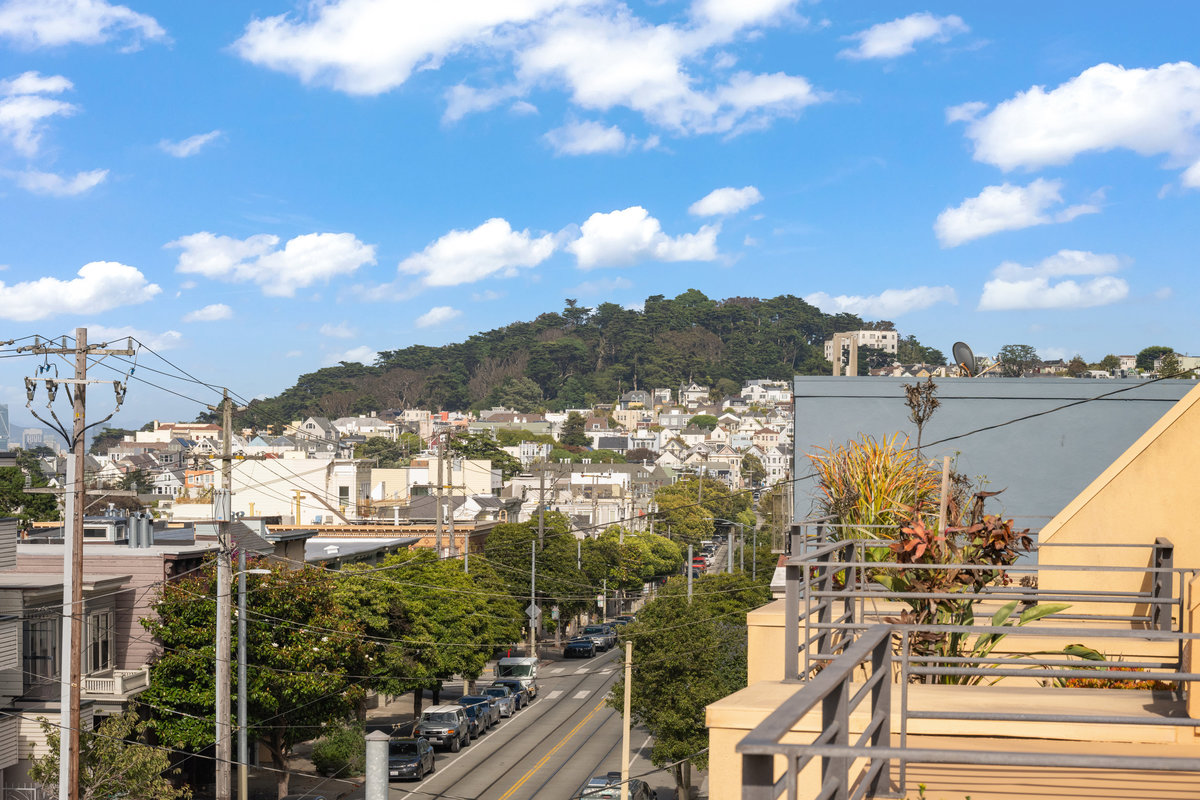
<point>828,589</point>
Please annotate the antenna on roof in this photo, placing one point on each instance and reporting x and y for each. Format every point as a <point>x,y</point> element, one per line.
<point>964,358</point>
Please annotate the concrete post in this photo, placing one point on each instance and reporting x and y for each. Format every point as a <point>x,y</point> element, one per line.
<point>377,766</point>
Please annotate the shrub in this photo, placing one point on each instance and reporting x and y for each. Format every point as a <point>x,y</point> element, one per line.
<point>340,752</point>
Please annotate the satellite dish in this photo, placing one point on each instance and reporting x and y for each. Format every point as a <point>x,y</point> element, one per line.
<point>964,358</point>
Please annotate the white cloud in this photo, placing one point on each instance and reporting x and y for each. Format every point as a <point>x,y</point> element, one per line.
<point>373,46</point>
<point>620,238</point>
<point>167,340</point>
<point>302,262</point>
<point>24,107</point>
<point>210,313</point>
<point>468,256</point>
<point>1005,208</point>
<point>48,183</point>
<point>53,23</point>
<point>599,52</point>
<point>603,286</point>
<point>885,305</point>
<point>587,138</point>
<point>1149,111</point>
<point>725,201</point>
<point>189,146</point>
<point>897,38</point>
<point>339,331</point>
<point>436,316</point>
<point>486,295</point>
<point>356,355</point>
<point>101,286</point>
<point>1016,287</point>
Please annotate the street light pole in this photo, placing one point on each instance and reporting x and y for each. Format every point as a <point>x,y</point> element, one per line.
<point>243,745</point>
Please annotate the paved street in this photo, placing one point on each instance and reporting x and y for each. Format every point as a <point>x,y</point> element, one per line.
<point>547,750</point>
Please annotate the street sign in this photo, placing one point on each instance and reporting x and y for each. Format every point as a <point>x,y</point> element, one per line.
<point>533,612</point>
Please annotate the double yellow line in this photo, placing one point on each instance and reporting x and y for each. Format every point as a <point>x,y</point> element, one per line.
<point>542,762</point>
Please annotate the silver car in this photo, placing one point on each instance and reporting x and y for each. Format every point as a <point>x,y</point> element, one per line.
<point>506,702</point>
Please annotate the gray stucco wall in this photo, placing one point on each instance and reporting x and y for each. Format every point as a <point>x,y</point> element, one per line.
<point>1042,463</point>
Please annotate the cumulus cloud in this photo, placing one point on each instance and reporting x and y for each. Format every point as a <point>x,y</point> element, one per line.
<point>624,237</point>
<point>587,138</point>
<point>339,331</point>
<point>53,23</point>
<point>1005,208</point>
<point>302,262</point>
<point>725,201</point>
<point>493,248</point>
<point>898,37</point>
<point>166,340</point>
<point>887,304</point>
<point>189,146</point>
<point>1017,287</point>
<point>436,316</point>
<point>48,183</point>
<point>1149,111</point>
<point>210,313</point>
<point>599,53</point>
<point>24,107</point>
<point>101,286</point>
<point>356,355</point>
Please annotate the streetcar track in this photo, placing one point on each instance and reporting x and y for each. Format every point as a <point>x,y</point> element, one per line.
<point>605,686</point>
<point>554,774</point>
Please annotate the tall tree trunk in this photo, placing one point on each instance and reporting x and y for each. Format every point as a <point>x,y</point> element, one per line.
<point>417,693</point>
<point>279,762</point>
<point>437,692</point>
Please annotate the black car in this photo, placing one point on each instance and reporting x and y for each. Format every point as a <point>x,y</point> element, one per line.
<point>485,705</point>
<point>582,647</point>
<point>477,720</point>
<point>518,690</point>
<point>409,758</point>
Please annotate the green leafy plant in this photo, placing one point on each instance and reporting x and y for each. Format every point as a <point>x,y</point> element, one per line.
<point>341,751</point>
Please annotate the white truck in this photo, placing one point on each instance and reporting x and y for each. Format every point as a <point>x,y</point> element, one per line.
<point>523,669</point>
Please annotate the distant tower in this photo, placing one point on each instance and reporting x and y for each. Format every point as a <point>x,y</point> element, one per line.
<point>3,427</point>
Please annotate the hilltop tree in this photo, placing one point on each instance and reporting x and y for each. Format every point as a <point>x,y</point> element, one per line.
<point>1077,366</point>
<point>1170,367</point>
<point>1109,363</point>
<point>1016,359</point>
<point>573,431</point>
<point>1148,355</point>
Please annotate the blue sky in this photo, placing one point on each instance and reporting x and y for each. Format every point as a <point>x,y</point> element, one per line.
<point>260,190</point>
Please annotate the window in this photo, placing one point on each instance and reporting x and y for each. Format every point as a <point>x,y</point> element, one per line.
<point>41,651</point>
<point>99,655</point>
<point>344,495</point>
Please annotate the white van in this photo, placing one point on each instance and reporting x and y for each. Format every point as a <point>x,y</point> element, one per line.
<point>523,669</point>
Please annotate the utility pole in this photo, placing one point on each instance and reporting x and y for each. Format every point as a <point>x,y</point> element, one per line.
<point>689,573</point>
<point>224,730</point>
<point>73,616</point>
<point>437,514</point>
<point>449,515</point>
<point>625,719</point>
<point>533,599</point>
<point>542,503</point>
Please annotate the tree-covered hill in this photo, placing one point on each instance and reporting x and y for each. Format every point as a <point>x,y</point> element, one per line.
<point>580,356</point>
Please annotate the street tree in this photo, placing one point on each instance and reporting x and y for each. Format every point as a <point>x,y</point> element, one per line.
<point>509,550</point>
<point>483,446</point>
<point>706,421</point>
<point>686,656</point>
<point>687,510</point>
<point>640,455</point>
<point>1170,367</point>
<point>1077,366</point>
<point>305,655</point>
<point>15,502</point>
<point>1016,359</point>
<point>115,760</point>
<point>753,471</point>
<point>1110,362</point>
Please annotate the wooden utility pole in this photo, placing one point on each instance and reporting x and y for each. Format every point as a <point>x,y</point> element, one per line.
<point>74,614</point>
<point>625,720</point>
<point>542,503</point>
<point>437,514</point>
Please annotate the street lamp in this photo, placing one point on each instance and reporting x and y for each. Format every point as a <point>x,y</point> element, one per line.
<point>729,553</point>
<point>243,747</point>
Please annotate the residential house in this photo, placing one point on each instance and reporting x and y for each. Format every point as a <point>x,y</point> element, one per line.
<point>693,434</point>
<point>888,341</point>
<point>660,397</point>
<point>636,398</point>
<point>766,438</point>
<point>692,395</point>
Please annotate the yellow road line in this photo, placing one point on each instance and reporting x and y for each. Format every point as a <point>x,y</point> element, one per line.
<point>541,763</point>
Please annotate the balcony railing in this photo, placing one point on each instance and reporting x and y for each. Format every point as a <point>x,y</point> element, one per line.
<point>852,656</point>
<point>117,683</point>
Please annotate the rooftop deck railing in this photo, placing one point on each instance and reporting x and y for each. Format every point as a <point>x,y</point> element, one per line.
<point>828,589</point>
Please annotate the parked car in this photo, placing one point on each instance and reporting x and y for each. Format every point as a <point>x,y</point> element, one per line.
<point>506,703</point>
<point>477,721</point>
<point>608,787</point>
<point>602,635</point>
<point>487,705</point>
<point>521,697</point>
<point>409,758</point>
<point>446,726</point>
<point>582,647</point>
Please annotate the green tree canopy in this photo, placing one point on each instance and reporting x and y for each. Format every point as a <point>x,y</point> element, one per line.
<point>1110,362</point>
<point>1169,366</point>
<point>685,657</point>
<point>483,446</point>
<point>1148,355</point>
<point>573,431</point>
<point>302,650</point>
<point>389,454</point>
<point>14,502</point>
<point>753,471</point>
<point>1077,366</point>
<point>1016,359</point>
<point>706,421</point>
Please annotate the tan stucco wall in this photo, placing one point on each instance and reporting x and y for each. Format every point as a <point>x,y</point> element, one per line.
<point>764,643</point>
<point>1148,492</point>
